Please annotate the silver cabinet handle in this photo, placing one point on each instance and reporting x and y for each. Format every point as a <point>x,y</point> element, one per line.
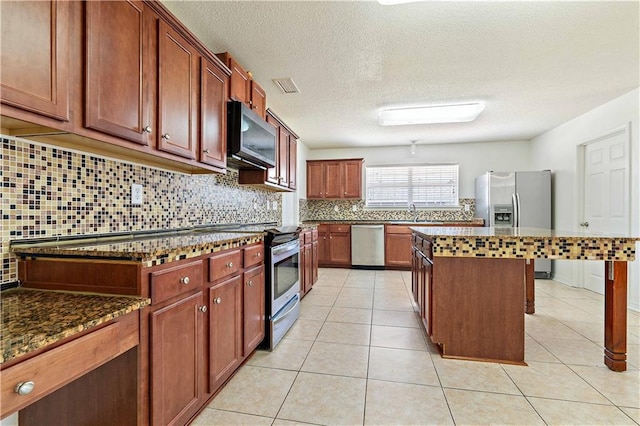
<point>166,136</point>
<point>185,280</point>
<point>147,129</point>
<point>250,283</point>
<point>206,151</point>
<point>217,300</point>
<point>203,308</point>
<point>229,265</point>
<point>258,255</point>
<point>24,388</point>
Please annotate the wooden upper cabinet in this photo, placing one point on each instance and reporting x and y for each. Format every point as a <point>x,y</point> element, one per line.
<point>258,99</point>
<point>293,162</point>
<point>351,179</point>
<point>315,179</point>
<point>178,88</point>
<point>34,47</point>
<point>334,178</point>
<point>273,172</point>
<point>283,154</point>
<point>114,101</point>
<point>213,115</point>
<point>239,82</point>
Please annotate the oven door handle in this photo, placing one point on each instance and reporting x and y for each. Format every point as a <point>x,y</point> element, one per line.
<point>284,315</point>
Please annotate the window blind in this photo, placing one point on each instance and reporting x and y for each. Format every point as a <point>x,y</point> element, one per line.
<point>425,185</point>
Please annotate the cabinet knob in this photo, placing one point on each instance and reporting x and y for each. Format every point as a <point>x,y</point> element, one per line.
<point>250,283</point>
<point>217,300</point>
<point>147,129</point>
<point>206,151</point>
<point>184,280</point>
<point>24,388</point>
<point>258,255</point>
<point>202,308</point>
<point>166,136</point>
<point>229,265</point>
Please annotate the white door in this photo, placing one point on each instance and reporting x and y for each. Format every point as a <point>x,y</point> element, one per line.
<point>606,195</point>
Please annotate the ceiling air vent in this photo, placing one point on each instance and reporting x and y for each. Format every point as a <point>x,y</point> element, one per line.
<point>286,85</point>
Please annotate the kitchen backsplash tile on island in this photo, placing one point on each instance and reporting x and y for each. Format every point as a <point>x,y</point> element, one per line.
<point>48,191</point>
<point>318,210</point>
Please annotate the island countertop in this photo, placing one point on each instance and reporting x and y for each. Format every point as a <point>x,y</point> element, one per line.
<point>526,243</point>
<point>32,319</point>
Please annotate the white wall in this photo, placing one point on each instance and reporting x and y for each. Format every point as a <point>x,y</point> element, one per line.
<point>557,150</point>
<point>474,158</point>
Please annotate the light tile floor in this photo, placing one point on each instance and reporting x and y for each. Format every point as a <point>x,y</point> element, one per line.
<point>357,356</point>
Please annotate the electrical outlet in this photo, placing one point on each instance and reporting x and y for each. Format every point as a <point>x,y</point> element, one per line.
<point>354,208</point>
<point>467,207</point>
<point>275,205</point>
<point>136,194</point>
<point>336,208</point>
<point>268,205</point>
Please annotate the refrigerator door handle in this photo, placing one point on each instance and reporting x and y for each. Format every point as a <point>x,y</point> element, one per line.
<point>519,210</point>
<point>516,213</point>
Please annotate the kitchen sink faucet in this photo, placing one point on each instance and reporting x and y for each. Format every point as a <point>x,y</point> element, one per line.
<point>414,210</point>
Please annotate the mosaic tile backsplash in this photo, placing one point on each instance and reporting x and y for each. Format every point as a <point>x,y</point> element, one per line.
<point>318,210</point>
<point>48,191</point>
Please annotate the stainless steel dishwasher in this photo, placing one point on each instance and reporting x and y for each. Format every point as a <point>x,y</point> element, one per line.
<point>367,246</point>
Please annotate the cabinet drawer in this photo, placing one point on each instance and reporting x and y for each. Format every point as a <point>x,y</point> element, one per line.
<point>339,228</point>
<point>427,249</point>
<point>171,282</point>
<point>397,229</point>
<point>307,237</point>
<point>253,255</point>
<point>224,264</point>
<point>314,235</point>
<point>53,369</point>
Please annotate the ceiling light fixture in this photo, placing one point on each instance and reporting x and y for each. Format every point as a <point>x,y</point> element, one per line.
<point>460,113</point>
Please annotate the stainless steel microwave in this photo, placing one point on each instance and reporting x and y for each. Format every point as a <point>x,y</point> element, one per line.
<point>251,141</point>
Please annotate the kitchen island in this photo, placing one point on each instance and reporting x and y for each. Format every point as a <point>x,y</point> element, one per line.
<point>474,285</point>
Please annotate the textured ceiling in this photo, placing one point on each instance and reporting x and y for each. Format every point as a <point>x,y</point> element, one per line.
<point>534,64</point>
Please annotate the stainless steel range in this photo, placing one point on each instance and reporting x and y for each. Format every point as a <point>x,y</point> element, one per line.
<point>283,282</point>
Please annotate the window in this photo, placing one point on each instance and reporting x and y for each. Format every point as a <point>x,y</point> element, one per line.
<point>425,185</point>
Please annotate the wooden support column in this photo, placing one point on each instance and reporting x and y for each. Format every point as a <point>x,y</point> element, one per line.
<point>615,315</point>
<point>530,286</point>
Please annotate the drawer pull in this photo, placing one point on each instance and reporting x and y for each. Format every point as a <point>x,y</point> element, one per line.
<point>203,308</point>
<point>24,388</point>
<point>230,265</point>
<point>217,300</point>
<point>184,280</point>
<point>258,255</point>
<point>250,283</point>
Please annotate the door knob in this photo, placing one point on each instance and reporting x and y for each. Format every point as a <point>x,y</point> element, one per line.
<point>585,224</point>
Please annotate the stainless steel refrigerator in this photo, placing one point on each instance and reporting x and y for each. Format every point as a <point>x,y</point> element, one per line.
<point>516,199</point>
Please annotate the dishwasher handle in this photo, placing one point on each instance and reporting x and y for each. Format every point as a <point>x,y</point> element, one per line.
<point>368,226</point>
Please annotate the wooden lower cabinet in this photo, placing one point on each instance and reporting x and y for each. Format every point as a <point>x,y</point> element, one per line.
<point>253,303</point>
<point>177,360</point>
<point>334,248</point>
<point>225,330</point>
<point>207,315</point>
<point>308,267</point>
<point>397,246</point>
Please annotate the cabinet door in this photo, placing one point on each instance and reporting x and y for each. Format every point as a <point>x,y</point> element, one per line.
<point>178,81</point>
<point>323,246</point>
<point>225,331</point>
<point>283,155</point>
<point>315,179</point>
<point>426,312</point>
<point>213,115</point>
<point>293,162</point>
<point>352,179</point>
<point>397,250</point>
<point>114,101</point>
<point>177,367</point>
<point>308,279</point>
<point>239,87</point>
<point>34,47</point>
<point>272,172</point>
<point>415,259</point>
<point>253,301</point>
<point>314,261</point>
<point>258,99</point>
<point>340,248</point>
<point>332,179</point>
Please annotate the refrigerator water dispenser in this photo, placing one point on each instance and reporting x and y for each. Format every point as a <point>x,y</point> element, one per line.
<point>502,215</point>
